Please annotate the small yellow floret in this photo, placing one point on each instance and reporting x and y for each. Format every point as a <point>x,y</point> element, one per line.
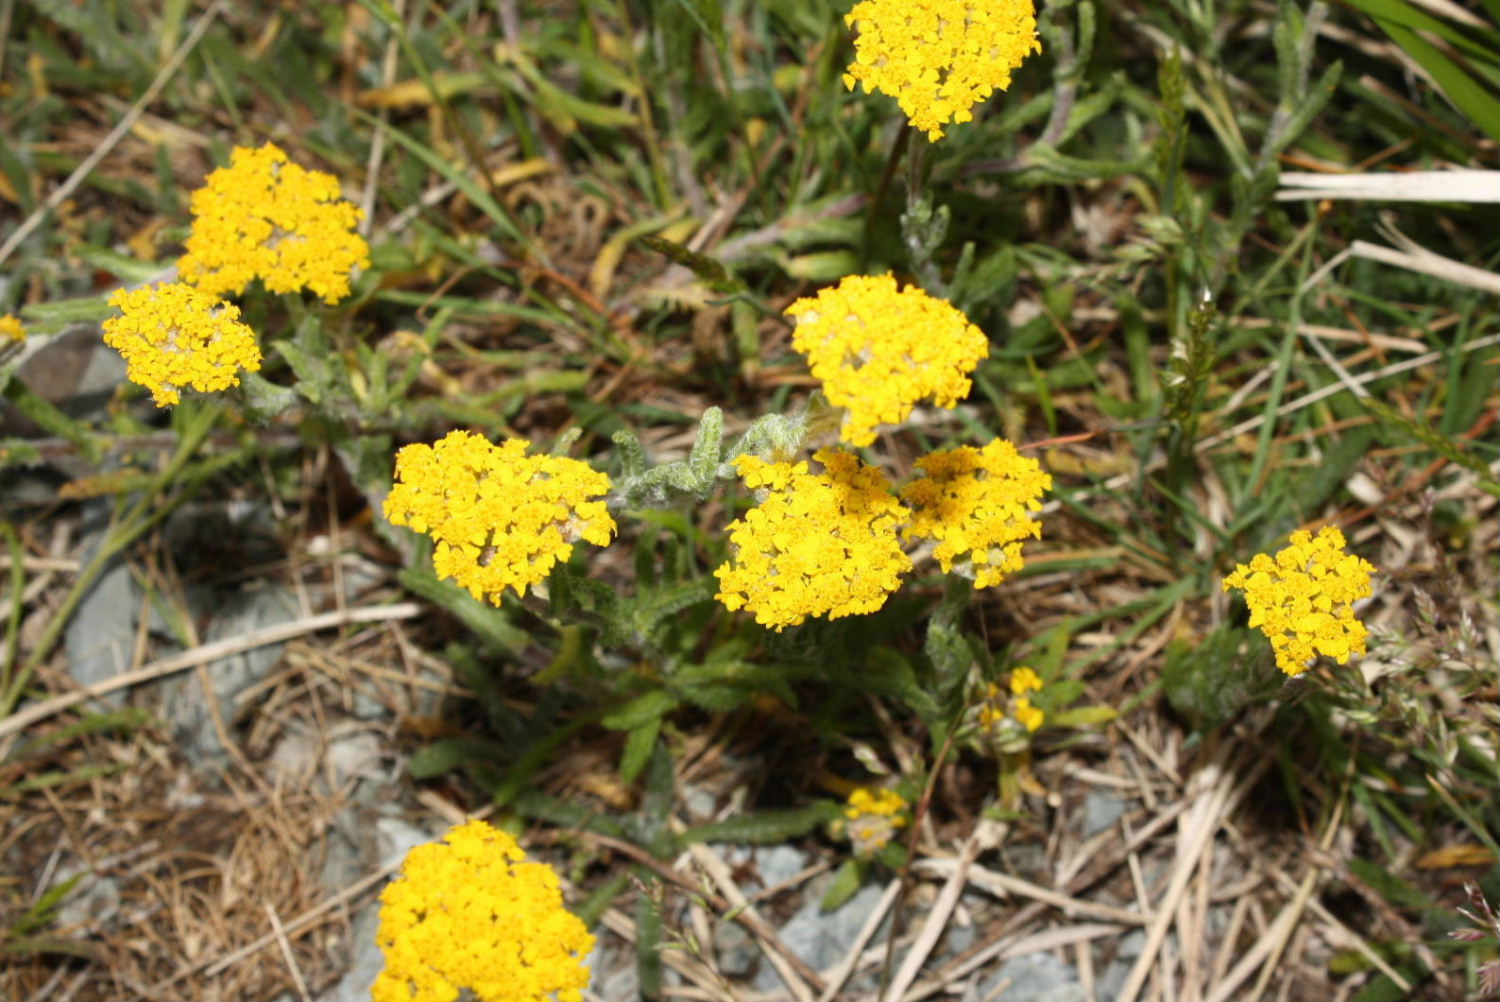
<point>1302,599</point>
<point>996,711</point>
<point>1031,717</point>
<point>470,914</point>
<point>265,217</point>
<point>939,58</point>
<point>501,519</point>
<point>978,504</point>
<point>878,351</point>
<point>873,817</point>
<point>817,545</point>
<point>1024,680</point>
<point>174,335</point>
<point>11,328</point>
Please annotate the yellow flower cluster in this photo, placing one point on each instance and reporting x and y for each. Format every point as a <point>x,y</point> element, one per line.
<point>1302,599</point>
<point>817,545</point>
<point>878,351</point>
<point>995,709</point>
<point>174,335</point>
<point>501,518</point>
<point>939,58</point>
<point>11,329</point>
<point>978,504</point>
<point>872,818</point>
<point>265,217</point>
<point>470,913</point>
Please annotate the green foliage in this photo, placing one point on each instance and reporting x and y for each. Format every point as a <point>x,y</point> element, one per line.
<point>766,827</point>
<point>847,880</point>
<point>1212,679</point>
<point>1467,69</point>
<point>25,934</point>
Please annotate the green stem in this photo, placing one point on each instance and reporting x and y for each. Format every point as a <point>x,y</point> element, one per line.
<point>902,141</point>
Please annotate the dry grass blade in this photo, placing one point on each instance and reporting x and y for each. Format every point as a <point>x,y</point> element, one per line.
<point>937,921</point>
<point>1474,186</point>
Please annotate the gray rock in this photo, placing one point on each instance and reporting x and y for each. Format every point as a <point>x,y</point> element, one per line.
<point>613,974</point>
<point>778,864</point>
<point>101,635</point>
<point>387,840</point>
<point>821,938</point>
<point>93,901</point>
<point>183,702</point>
<point>1033,977</point>
<point>699,804</point>
<point>735,949</point>
<point>1131,944</point>
<point>1127,950</point>
<point>367,962</point>
<point>1100,811</point>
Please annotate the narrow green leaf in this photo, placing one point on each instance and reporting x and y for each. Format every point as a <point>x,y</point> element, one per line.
<point>472,189</point>
<point>765,827</point>
<point>1481,107</point>
<point>641,710</point>
<point>638,747</point>
<point>847,880</point>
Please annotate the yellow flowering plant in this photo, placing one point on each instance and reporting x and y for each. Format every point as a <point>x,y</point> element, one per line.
<point>939,58</point>
<point>1302,598</point>
<point>818,544</point>
<point>264,217</point>
<point>878,351</point>
<point>469,913</point>
<point>871,818</point>
<point>12,336</point>
<point>978,505</point>
<point>500,518</point>
<point>175,336</point>
<point>998,713</point>
<point>873,541</point>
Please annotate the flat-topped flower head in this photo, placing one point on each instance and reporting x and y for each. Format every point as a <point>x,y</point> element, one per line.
<point>174,336</point>
<point>878,352</point>
<point>939,58</point>
<point>469,913</point>
<point>872,817</point>
<point>1303,598</point>
<point>978,505</point>
<point>818,544</point>
<point>501,519</point>
<point>265,217</point>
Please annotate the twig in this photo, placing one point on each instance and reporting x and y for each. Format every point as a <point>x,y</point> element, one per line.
<point>1421,260</point>
<point>287,954</point>
<point>377,142</point>
<point>838,975</point>
<point>937,921</point>
<point>1477,186</point>
<point>776,952</point>
<point>1001,885</point>
<point>22,719</point>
